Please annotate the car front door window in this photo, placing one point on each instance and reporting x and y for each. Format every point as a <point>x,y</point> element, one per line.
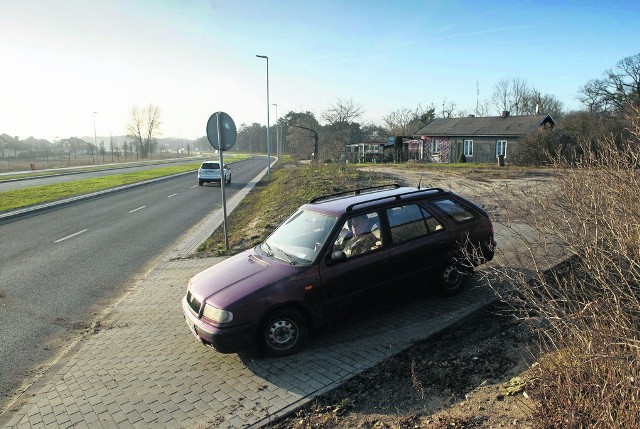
<point>359,235</point>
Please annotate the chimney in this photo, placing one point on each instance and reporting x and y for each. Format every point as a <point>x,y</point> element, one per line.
<point>505,114</point>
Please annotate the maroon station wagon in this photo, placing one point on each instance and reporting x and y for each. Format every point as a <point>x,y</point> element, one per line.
<point>330,255</point>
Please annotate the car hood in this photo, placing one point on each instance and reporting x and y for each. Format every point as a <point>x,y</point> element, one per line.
<point>237,277</point>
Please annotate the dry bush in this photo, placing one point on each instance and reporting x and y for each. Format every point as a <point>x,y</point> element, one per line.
<point>587,309</point>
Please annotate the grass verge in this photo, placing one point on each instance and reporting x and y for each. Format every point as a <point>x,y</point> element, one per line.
<point>19,198</point>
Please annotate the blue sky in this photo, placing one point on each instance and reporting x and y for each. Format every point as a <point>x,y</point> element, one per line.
<point>60,61</point>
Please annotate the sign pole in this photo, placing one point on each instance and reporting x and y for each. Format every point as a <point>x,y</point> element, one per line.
<point>221,133</point>
<point>223,179</point>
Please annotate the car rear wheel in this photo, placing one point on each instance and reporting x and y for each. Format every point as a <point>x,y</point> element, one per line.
<point>453,277</point>
<point>284,332</point>
<point>200,182</point>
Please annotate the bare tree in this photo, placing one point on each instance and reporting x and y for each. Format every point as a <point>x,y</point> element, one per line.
<point>398,121</point>
<point>618,88</point>
<point>517,97</point>
<point>502,95</point>
<point>144,127</point>
<point>521,92</point>
<point>404,122</point>
<point>448,109</point>
<point>511,95</point>
<point>112,147</point>
<point>536,103</point>
<point>340,117</point>
<point>483,108</point>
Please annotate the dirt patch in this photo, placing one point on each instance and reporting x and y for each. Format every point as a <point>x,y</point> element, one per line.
<point>468,376</point>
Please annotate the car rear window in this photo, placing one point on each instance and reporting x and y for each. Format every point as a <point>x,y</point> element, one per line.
<point>411,221</point>
<point>454,209</point>
<point>211,165</point>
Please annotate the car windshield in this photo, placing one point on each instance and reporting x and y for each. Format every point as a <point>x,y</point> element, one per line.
<point>299,239</point>
<point>211,165</point>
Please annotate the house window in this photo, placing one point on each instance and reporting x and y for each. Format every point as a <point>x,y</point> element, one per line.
<point>468,147</point>
<point>501,148</point>
<point>435,146</point>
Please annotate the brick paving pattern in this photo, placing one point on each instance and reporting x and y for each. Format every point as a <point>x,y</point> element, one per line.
<point>143,368</point>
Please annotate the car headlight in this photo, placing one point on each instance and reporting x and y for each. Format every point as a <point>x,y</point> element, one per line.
<point>217,315</point>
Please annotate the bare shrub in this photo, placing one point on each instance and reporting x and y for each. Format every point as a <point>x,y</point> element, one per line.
<point>587,309</point>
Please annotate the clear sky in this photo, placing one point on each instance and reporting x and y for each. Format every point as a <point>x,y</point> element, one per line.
<point>62,60</point>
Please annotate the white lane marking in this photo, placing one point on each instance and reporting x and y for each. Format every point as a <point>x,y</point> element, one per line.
<point>139,208</point>
<point>194,186</point>
<point>72,235</point>
<point>172,195</point>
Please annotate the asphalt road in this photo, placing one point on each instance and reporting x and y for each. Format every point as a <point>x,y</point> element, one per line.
<point>59,269</point>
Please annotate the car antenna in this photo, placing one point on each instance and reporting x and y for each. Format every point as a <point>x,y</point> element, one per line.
<point>420,181</point>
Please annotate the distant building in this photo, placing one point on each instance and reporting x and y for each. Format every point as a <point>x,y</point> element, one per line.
<point>480,139</point>
<point>364,152</point>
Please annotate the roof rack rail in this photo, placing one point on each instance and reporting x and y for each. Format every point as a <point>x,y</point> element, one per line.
<point>397,197</point>
<point>355,192</point>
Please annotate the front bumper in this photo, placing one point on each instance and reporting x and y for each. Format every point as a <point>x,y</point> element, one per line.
<point>224,340</point>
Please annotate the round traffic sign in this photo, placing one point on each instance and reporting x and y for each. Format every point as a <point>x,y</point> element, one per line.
<point>221,131</point>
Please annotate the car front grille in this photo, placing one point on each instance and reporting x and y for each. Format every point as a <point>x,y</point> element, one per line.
<point>193,302</point>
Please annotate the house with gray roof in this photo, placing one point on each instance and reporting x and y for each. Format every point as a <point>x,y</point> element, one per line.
<point>480,139</point>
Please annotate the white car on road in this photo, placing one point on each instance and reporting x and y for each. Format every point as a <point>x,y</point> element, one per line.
<point>209,171</point>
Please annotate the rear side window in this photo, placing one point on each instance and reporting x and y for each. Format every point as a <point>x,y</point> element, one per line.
<point>411,221</point>
<point>211,165</point>
<point>454,209</point>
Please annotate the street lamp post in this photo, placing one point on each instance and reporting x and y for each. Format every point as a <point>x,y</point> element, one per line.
<point>277,132</point>
<point>268,125</point>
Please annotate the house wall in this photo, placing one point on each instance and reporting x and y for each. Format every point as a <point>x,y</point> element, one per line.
<point>484,149</point>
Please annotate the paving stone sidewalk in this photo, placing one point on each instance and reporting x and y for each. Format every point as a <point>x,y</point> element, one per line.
<point>142,367</point>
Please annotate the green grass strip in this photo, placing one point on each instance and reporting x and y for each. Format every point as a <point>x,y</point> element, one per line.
<point>19,198</point>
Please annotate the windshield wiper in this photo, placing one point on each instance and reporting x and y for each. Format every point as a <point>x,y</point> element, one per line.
<point>286,256</point>
<point>267,248</point>
<point>270,252</point>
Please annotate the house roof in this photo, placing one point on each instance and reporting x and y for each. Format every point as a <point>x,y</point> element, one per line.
<point>484,126</point>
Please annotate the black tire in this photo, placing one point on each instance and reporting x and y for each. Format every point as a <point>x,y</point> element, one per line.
<point>452,278</point>
<point>283,332</point>
<point>200,182</point>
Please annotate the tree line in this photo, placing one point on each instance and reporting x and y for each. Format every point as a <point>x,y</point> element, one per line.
<point>606,104</point>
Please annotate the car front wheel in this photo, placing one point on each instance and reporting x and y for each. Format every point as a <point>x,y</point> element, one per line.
<point>453,277</point>
<point>284,332</point>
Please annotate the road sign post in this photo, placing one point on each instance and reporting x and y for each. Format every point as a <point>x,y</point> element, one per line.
<point>221,133</point>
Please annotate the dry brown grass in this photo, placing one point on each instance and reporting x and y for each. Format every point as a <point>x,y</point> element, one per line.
<point>587,310</point>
